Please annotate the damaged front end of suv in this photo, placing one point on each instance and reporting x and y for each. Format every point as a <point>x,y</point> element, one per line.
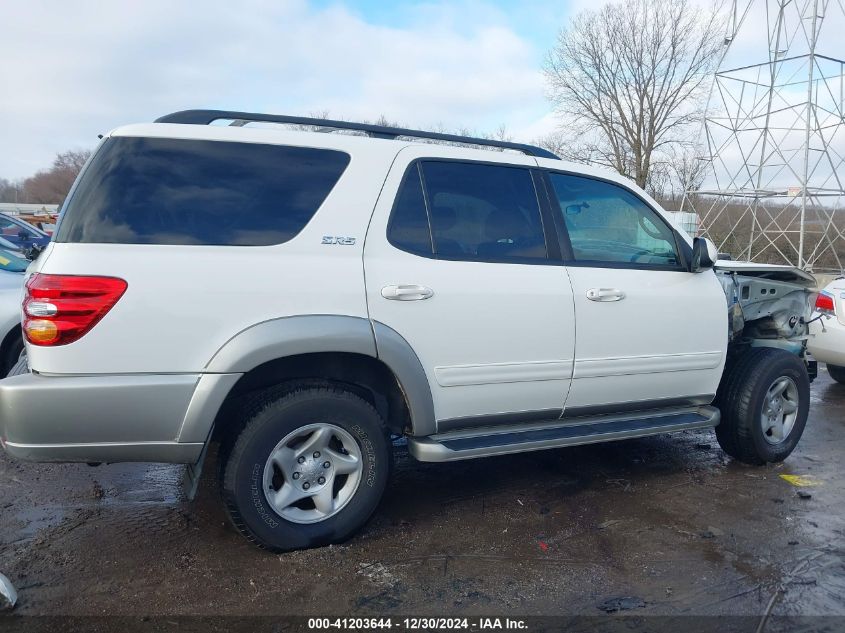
<point>768,306</point>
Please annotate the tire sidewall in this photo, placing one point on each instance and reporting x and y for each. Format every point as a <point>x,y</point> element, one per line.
<point>836,372</point>
<point>795,371</point>
<point>20,367</point>
<point>244,471</point>
<point>12,357</point>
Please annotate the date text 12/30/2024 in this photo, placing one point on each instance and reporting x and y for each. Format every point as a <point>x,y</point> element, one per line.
<point>413,624</point>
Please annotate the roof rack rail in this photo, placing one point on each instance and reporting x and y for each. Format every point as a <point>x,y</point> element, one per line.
<point>205,117</point>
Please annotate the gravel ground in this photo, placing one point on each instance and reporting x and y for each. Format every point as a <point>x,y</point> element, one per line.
<point>670,523</point>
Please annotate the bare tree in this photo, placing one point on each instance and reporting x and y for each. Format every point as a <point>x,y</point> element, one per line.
<point>8,191</point>
<point>558,144</point>
<point>629,79</point>
<point>71,161</point>
<point>52,185</point>
<point>688,169</point>
<point>499,134</point>
<point>48,186</point>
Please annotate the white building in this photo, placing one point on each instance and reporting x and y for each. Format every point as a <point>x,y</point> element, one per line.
<point>16,208</point>
<point>689,222</point>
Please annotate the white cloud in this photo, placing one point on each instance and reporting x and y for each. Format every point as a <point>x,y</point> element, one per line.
<point>72,70</point>
<point>537,128</point>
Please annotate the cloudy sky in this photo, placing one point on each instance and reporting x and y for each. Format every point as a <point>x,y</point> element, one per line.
<point>71,70</point>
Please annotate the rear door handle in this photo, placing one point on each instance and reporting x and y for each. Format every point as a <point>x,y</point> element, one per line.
<point>406,292</point>
<point>605,294</point>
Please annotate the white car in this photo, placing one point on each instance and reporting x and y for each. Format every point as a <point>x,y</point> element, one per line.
<point>827,329</point>
<point>299,297</point>
<point>12,265</point>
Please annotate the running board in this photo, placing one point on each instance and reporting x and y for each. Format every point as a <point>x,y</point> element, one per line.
<point>487,441</point>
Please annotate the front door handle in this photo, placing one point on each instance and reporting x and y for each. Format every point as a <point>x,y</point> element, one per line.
<point>406,292</point>
<point>605,294</point>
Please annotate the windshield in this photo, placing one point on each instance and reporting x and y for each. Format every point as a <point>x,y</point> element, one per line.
<point>13,226</point>
<point>8,246</point>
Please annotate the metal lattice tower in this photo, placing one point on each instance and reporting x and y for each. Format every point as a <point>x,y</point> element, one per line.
<point>772,190</point>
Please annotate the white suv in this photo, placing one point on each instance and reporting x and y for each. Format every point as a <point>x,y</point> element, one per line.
<point>301,297</point>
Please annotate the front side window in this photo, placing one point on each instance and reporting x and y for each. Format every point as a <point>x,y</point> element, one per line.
<point>607,223</point>
<point>179,191</point>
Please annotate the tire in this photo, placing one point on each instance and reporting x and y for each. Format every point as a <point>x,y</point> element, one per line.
<point>749,430</point>
<point>11,357</point>
<point>837,373</point>
<point>346,432</point>
<point>21,367</point>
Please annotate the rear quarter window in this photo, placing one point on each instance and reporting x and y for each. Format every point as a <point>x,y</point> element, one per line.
<point>177,191</point>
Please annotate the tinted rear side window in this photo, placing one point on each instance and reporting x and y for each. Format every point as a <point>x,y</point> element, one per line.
<point>483,212</point>
<point>408,228</point>
<point>175,191</point>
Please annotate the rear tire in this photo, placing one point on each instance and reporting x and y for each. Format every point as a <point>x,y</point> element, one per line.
<point>764,401</point>
<point>21,367</point>
<point>308,469</point>
<point>11,357</point>
<point>837,373</point>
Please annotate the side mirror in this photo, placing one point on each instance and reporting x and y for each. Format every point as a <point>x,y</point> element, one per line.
<point>704,255</point>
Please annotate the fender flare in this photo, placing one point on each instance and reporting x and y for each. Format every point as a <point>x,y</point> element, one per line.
<point>395,352</point>
<point>308,334</point>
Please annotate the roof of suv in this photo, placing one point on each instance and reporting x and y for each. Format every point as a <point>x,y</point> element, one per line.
<point>274,136</point>
<point>258,128</point>
<point>347,142</point>
<point>240,119</point>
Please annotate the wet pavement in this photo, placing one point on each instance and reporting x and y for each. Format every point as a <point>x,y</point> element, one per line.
<point>665,525</point>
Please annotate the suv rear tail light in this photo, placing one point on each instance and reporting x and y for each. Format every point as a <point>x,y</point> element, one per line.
<point>824,303</point>
<point>60,309</point>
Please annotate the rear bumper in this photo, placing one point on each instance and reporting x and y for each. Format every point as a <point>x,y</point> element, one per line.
<point>167,452</point>
<point>827,341</point>
<point>100,418</point>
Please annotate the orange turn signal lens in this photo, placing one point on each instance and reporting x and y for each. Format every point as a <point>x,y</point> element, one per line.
<point>41,331</point>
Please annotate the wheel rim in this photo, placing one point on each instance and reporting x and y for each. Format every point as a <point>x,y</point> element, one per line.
<point>312,473</point>
<point>780,410</point>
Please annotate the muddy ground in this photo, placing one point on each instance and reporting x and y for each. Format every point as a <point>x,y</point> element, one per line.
<point>670,521</point>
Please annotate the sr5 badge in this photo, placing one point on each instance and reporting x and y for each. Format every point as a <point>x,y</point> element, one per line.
<point>338,239</point>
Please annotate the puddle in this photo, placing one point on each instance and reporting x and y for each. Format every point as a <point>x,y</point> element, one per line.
<point>151,484</point>
<point>36,519</point>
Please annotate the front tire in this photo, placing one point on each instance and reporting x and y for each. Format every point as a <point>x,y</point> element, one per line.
<point>764,401</point>
<point>837,373</point>
<point>308,468</point>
